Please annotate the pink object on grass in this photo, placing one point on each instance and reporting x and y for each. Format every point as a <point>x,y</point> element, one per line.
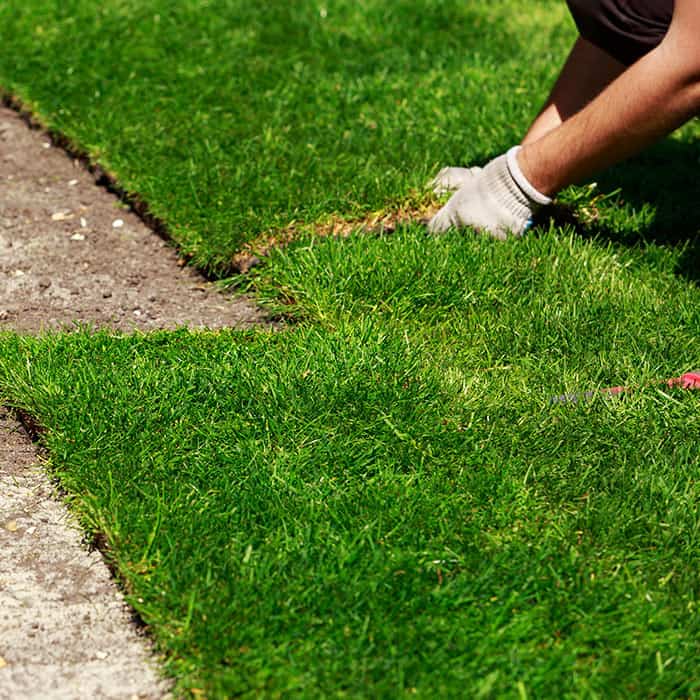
<point>689,380</point>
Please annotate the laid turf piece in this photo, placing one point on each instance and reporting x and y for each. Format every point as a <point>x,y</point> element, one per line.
<point>383,503</point>
<point>234,119</point>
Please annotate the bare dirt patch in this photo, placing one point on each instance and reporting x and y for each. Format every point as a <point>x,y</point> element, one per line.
<point>70,251</point>
<point>377,223</point>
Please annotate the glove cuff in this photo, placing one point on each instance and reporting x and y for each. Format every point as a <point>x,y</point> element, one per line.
<point>522,182</point>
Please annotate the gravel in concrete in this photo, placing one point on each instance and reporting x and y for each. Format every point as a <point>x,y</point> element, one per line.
<point>65,630</point>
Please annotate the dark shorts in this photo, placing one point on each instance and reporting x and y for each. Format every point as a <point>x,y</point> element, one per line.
<point>625,30</point>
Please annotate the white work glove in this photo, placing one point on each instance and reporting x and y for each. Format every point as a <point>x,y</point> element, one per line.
<point>451,179</point>
<point>499,200</point>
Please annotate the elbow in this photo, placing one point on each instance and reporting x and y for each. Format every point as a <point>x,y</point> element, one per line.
<point>690,76</point>
<point>689,94</point>
<point>690,86</point>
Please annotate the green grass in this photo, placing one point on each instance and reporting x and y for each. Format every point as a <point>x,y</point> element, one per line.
<point>382,502</point>
<point>229,119</point>
<point>378,500</point>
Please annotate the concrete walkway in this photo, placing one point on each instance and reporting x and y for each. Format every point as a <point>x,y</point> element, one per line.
<point>65,630</point>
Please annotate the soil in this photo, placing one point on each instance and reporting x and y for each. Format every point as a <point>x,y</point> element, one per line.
<point>70,251</point>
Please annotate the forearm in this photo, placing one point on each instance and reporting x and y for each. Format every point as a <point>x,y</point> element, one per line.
<point>649,100</point>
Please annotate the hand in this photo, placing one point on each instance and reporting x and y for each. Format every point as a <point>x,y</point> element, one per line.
<point>498,200</point>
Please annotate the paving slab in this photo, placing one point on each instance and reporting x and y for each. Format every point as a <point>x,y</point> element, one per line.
<point>65,630</point>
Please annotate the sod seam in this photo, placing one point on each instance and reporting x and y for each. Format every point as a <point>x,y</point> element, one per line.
<point>418,207</point>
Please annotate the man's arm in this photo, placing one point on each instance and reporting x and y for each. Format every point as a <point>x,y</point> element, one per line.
<point>649,100</point>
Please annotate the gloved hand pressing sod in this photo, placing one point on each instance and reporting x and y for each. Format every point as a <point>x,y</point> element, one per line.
<point>498,200</point>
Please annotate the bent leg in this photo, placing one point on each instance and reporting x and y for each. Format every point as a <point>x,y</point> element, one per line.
<point>586,73</point>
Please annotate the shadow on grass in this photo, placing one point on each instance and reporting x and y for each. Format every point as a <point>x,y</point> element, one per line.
<point>653,198</point>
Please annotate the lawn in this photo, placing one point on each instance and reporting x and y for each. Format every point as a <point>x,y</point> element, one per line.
<point>378,500</point>
<point>230,119</point>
